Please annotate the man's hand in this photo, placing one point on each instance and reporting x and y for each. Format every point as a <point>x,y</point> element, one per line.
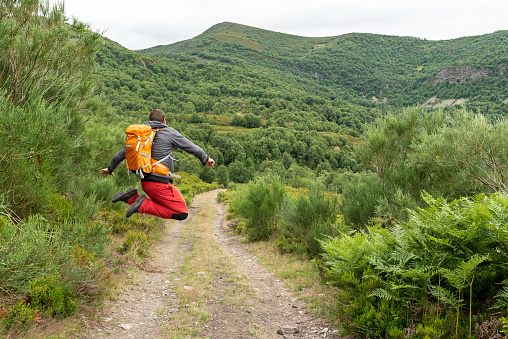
<point>210,162</point>
<point>105,172</point>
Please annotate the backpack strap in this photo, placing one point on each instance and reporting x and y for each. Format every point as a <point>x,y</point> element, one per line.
<point>159,162</point>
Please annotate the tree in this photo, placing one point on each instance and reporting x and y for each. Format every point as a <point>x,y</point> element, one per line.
<point>471,145</point>
<point>42,54</point>
<point>237,120</point>
<point>223,176</point>
<point>46,69</point>
<point>196,118</point>
<point>189,108</point>
<point>239,173</point>
<point>389,142</point>
<point>251,121</point>
<point>207,174</point>
<point>188,163</point>
<point>287,160</point>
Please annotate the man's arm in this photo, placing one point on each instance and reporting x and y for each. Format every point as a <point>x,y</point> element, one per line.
<point>117,159</point>
<point>188,146</point>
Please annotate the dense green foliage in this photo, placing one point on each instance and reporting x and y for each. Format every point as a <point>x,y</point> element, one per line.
<point>296,219</point>
<point>437,271</point>
<point>288,107</point>
<point>195,89</point>
<point>439,274</point>
<point>240,76</point>
<point>448,156</point>
<point>41,54</point>
<point>449,254</point>
<point>259,205</point>
<point>50,247</point>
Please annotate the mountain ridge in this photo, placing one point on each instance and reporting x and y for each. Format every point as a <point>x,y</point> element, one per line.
<point>398,70</point>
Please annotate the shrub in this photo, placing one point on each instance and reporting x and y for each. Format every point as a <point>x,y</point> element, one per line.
<point>85,272</point>
<point>309,217</point>
<point>223,196</point>
<point>37,248</point>
<point>223,176</point>
<point>360,200</point>
<point>447,256</point>
<point>18,316</point>
<point>27,253</point>
<point>259,204</point>
<point>54,296</point>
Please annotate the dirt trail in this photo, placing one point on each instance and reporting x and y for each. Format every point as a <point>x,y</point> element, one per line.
<point>144,308</point>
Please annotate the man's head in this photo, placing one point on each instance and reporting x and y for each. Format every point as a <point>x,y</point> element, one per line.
<point>157,115</point>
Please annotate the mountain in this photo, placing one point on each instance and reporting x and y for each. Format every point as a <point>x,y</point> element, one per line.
<point>219,90</point>
<point>400,71</point>
<point>326,84</point>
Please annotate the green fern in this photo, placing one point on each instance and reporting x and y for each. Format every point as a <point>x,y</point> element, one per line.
<point>502,298</point>
<point>384,294</point>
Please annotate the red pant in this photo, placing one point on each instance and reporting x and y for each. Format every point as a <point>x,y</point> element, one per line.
<point>163,200</point>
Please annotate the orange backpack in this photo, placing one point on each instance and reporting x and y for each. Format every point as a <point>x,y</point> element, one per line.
<point>138,151</point>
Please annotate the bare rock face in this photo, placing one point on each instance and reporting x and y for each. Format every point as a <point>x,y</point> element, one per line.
<point>461,74</point>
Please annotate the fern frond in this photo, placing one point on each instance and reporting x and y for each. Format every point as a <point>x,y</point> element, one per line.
<point>502,297</point>
<point>384,294</point>
<point>446,296</point>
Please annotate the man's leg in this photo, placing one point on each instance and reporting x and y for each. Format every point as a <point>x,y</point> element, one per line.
<point>164,201</point>
<point>126,195</point>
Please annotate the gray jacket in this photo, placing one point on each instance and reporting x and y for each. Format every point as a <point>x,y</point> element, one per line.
<point>164,142</point>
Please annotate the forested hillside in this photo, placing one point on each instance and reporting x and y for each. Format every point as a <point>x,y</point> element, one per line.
<point>236,78</point>
<point>186,84</point>
<point>401,71</point>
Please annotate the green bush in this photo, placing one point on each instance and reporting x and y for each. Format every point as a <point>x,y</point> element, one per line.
<point>223,197</point>
<point>259,203</point>
<point>37,248</point>
<point>86,273</point>
<point>447,256</point>
<point>360,200</point>
<point>223,176</point>
<point>28,253</point>
<point>53,296</point>
<point>18,317</point>
<point>310,217</point>
<point>394,208</point>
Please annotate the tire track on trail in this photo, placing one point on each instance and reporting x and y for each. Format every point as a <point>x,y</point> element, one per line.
<point>280,314</point>
<point>144,305</point>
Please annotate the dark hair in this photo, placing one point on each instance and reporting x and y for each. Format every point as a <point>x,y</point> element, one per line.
<point>157,115</point>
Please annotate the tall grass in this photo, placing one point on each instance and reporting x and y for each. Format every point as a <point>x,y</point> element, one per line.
<point>36,248</point>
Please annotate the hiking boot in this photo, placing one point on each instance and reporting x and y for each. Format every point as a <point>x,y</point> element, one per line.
<point>134,208</point>
<point>125,195</point>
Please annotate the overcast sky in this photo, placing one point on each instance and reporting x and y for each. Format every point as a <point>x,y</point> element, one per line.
<point>145,23</point>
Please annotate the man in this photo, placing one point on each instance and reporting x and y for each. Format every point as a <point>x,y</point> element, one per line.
<point>163,200</point>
